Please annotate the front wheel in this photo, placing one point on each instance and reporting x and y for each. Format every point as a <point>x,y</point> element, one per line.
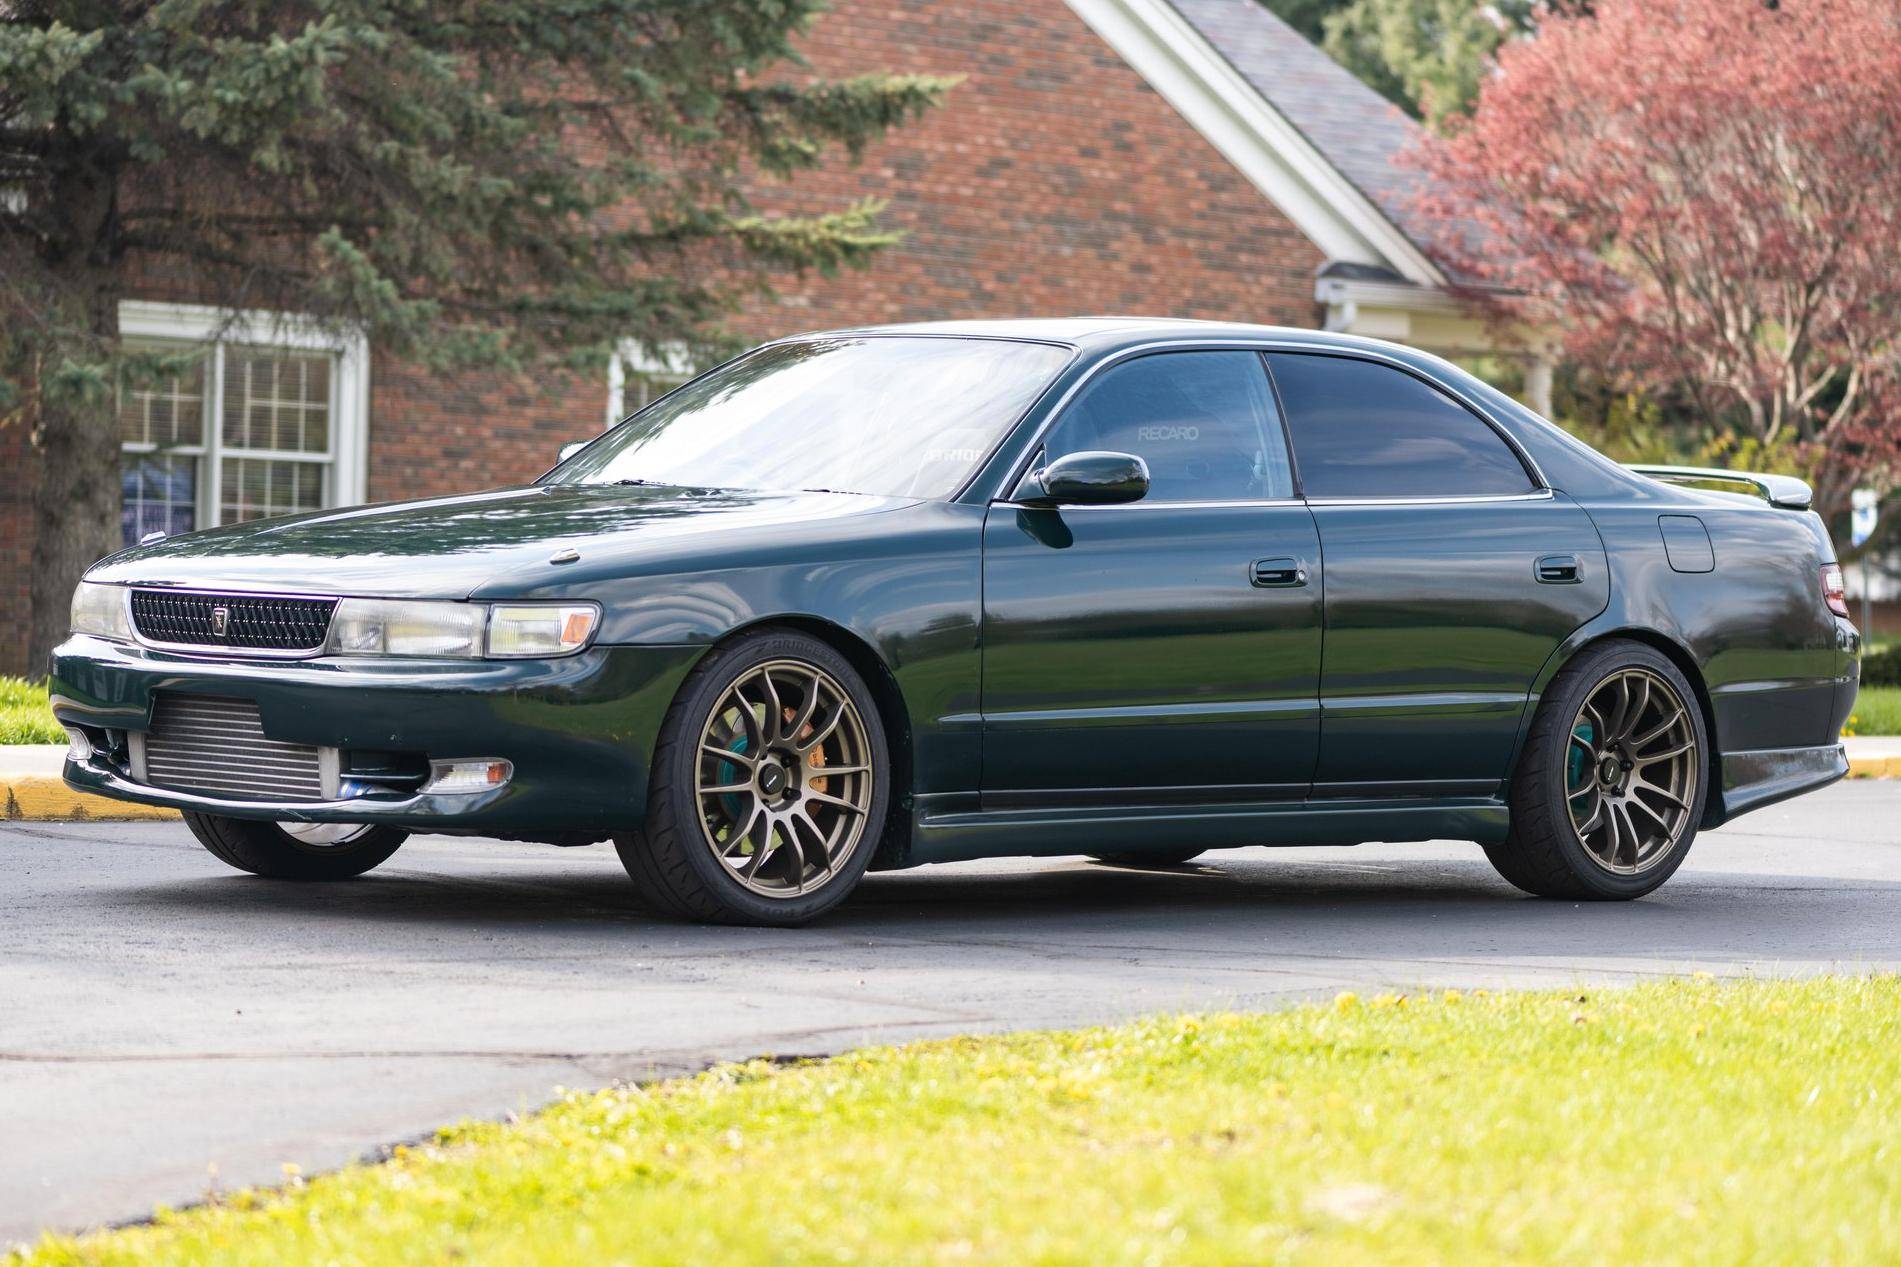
<point>296,851</point>
<point>769,786</point>
<point>1610,790</point>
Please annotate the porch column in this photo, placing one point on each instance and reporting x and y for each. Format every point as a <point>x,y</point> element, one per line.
<point>1538,382</point>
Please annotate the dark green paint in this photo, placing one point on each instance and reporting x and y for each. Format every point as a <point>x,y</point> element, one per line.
<point>1128,647</point>
<point>1056,677</point>
<point>1436,625</point>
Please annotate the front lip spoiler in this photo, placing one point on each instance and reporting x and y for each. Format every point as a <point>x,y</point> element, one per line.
<point>96,777</point>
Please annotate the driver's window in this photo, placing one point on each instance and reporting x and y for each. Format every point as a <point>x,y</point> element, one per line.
<point>1205,422</point>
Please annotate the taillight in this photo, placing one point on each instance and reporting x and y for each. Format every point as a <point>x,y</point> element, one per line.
<point>1832,591</point>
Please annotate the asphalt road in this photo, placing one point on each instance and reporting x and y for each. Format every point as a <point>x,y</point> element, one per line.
<point>161,1016</point>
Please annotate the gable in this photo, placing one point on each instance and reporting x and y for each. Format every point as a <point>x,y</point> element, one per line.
<point>1169,45</point>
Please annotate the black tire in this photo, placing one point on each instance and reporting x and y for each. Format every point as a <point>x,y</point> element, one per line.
<point>268,850</point>
<point>672,861</point>
<point>1167,858</point>
<point>1544,854</point>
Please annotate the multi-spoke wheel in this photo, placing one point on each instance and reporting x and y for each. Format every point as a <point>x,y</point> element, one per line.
<point>296,851</point>
<point>1610,790</point>
<point>769,786</point>
<point>1631,771</point>
<point>784,778</point>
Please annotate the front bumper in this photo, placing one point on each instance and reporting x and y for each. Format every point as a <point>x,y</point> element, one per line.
<point>579,730</point>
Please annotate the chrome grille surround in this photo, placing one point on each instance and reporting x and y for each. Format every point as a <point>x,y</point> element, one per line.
<point>215,745</point>
<point>206,622</point>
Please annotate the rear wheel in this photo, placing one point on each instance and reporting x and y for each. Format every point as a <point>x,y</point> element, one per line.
<point>1166,858</point>
<point>1610,790</point>
<point>296,851</point>
<point>769,786</point>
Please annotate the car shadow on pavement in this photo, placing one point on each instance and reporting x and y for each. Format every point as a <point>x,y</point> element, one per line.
<point>1252,900</point>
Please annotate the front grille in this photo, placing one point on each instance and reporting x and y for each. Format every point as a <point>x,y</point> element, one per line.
<point>250,621</point>
<point>211,744</point>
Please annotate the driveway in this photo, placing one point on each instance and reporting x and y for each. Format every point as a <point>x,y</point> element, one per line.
<point>167,1025</point>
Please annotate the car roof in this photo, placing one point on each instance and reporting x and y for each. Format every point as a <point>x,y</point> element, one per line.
<point>1109,332</point>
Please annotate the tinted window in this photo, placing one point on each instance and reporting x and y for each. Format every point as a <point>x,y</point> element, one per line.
<point>1205,423</point>
<point>1366,430</point>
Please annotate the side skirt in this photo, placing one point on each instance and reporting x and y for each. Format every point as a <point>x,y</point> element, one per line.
<point>950,829</point>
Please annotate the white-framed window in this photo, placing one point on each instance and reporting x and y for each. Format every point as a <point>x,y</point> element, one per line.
<point>270,419</point>
<point>640,374</point>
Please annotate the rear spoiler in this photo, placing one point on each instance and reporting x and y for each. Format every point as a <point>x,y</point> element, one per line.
<point>1785,491</point>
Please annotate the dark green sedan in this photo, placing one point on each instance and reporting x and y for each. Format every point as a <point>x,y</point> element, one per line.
<point>877,598</point>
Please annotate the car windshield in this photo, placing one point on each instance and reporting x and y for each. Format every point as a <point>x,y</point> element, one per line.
<point>908,416</point>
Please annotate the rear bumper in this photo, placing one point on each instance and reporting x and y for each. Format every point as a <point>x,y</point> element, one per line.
<point>1762,777</point>
<point>578,730</point>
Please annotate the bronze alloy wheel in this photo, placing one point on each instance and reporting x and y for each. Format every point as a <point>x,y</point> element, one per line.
<point>1631,770</point>
<point>783,779</point>
<point>1611,784</point>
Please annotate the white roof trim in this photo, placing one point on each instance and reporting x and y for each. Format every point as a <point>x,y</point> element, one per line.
<point>1267,149</point>
<point>1353,290</point>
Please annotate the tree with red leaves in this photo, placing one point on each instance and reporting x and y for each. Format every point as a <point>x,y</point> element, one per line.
<point>1702,199</point>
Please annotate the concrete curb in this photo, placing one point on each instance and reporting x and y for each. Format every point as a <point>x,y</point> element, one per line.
<point>36,793</point>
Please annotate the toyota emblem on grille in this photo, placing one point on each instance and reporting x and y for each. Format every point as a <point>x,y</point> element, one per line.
<point>220,620</point>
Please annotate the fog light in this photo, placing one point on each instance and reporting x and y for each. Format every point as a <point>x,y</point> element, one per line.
<point>78,747</point>
<point>452,777</point>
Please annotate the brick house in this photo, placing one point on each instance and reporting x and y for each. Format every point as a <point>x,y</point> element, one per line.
<point>1192,158</point>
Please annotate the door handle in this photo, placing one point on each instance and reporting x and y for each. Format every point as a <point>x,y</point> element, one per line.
<point>1278,573</point>
<point>1560,569</point>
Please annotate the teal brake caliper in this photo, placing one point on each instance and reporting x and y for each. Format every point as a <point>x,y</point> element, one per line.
<point>729,774</point>
<point>1577,767</point>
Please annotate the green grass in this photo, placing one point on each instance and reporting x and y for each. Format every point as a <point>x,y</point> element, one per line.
<point>1677,1122</point>
<point>1877,712</point>
<point>24,714</point>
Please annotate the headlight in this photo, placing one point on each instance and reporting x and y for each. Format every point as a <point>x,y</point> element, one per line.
<point>100,610</point>
<point>381,626</point>
<point>540,629</point>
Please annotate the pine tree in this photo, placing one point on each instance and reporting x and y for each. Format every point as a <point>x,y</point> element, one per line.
<point>510,184</point>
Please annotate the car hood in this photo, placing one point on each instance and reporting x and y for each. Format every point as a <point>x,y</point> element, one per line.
<point>497,543</point>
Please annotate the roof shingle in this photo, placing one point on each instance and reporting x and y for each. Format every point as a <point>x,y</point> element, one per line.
<point>1354,128</point>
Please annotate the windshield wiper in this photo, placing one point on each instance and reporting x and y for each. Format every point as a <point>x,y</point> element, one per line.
<point>644,483</point>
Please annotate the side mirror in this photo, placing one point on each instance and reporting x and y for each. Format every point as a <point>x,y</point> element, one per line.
<point>1087,479</point>
<point>570,449</point>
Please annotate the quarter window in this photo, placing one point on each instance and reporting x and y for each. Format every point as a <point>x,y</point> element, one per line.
<point>1362,429</point>
<point>1205,423</point>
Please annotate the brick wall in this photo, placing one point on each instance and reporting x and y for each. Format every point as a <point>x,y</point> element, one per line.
<point>431,435</point>
<point>1053,182</point>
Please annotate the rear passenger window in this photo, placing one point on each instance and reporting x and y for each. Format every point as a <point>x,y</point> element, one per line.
<point>1361,429</point>
<point>1204,422</point>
